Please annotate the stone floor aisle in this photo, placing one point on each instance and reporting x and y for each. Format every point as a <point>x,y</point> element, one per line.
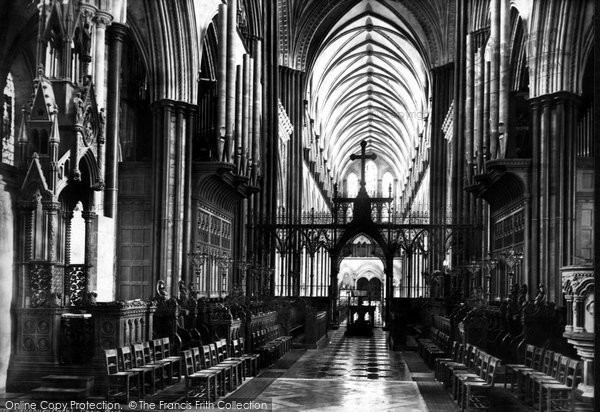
<point>349,374</point>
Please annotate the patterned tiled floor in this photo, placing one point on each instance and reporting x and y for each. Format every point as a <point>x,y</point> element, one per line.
<point>342,395</point>
<point>349,374</point>
<point>351,358</point>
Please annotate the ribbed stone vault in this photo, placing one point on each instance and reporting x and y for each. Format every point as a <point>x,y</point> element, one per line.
<point>369,81</point>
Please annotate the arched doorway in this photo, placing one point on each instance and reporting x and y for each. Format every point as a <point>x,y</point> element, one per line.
<point>373,287</point>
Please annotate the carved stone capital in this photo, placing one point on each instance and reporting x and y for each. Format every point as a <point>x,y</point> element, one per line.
<point>577,280</point>
<point>102,19</point>
<point>88,215</point>
<point>51,205</point>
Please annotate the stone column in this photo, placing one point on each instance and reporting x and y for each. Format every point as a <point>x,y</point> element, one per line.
<point>230,99</point>
<point>469,108</point>
<point>504,81</point>
<point>256,112</point>
<point>494,44</point>
<point>333,290</point>
<point>116,34</point>
<point>389,288</point>
<point>188,214</point>
<point>68,218</point>
<point>102,20</point>
<point>245,113</point>
<point>91,249</point>
<point>570,306</point>
<point>246,171</point>
<point>221,82</point>
<point>239,93</point>
<point>179,173</point>
<point>51,209</point>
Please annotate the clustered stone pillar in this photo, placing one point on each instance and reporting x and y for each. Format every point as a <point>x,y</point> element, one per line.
<point>505,70</point>
<point>222,83</point>
<point>239,92</point>
<point>245,112</point>
<point>256,112</point>
<point>230,99</point>
<point>116,35</point>
<point>494,44</point>
<point>172,121</point>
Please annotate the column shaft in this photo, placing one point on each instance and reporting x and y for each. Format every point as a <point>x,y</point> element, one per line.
<point>221,82</point>
<point>504,72</point>
<point>239,92</point>
<point>256,113</point>
<point>116,35</point>
<point>245,112</point>
<point>230,109</point>
<point>102,20</point>
<point>494,43</point>
<point>469,108</point>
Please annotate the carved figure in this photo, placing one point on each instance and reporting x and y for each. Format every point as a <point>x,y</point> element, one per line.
<point>102,119</point>
<point>161,292</point>
<point>541,295</point>
<point>183,291</point>
<point>78,107</point>
<point>514,292</point>
<point>523,294</point>
<point>193,291</point>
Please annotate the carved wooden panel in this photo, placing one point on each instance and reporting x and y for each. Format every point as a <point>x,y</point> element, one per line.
<point>509,228</point>
<point>134,232</point>
<point>135,251</point>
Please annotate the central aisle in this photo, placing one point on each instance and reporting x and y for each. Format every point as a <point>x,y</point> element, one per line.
<point>349,374</point>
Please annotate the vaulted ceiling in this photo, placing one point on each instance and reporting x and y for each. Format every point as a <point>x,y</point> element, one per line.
<point>367,63</point>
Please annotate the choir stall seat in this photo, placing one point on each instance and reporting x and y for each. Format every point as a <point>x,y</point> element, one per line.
<point>139,361</point>
<point>119,383</point>
<point>126,360</point>
<point>198,383</point>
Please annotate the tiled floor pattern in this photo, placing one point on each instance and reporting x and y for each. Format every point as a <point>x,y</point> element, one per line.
<point>349,374</point>
<point>355,358</point>
<point>342,395</point>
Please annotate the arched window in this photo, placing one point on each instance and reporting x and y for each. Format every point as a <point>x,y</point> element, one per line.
<point>386,182</point>
<point>8,122</point>
<point>352,185</point>
<point>371,178</point>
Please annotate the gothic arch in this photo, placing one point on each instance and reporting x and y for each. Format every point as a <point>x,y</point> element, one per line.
<point>167,32</point>
<point>556,46</point>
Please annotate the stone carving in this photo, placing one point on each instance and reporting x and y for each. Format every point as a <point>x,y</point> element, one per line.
<point>193,291</point>
<point>523,294</point>
<point>221,313</point>
<point>541,295</point>
<point>183,292</point>
<point>40,282</point>
<point>78,109</point>
<point>76,284</point>
<point>161,292</point>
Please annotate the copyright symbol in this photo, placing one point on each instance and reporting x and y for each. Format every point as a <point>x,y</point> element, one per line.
<point>132,405</point>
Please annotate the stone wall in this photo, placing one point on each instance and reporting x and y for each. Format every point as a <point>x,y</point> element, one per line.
<point>7,228</point>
